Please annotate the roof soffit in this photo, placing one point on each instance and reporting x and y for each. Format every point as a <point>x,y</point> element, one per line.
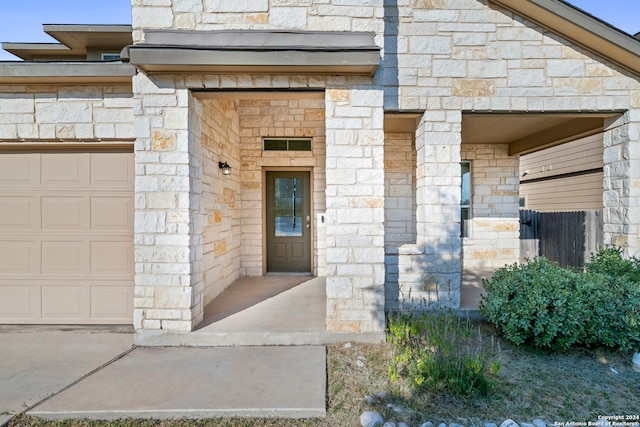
<point>74,40</point>
<point>82,37</point>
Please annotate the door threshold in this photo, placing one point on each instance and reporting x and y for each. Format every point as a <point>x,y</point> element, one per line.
<point>288,273</point>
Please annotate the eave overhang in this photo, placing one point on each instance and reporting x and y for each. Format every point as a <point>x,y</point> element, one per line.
<point>581,28</point>
<point>13,72</point>
<point>30,51</point>
<point>81,36</point>
<point>288,52</point>
<point>75,40</point>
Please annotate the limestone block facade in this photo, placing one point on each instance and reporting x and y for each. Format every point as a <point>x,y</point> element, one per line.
<point>423,86</point>
<point>66,113</point>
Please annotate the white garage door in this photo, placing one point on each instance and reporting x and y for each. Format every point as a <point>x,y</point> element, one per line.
<point>66,237</point>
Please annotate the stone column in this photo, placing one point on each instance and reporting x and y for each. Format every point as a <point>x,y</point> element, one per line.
<point>165,189</point>
<point>355,210</point>
<point>621,197</point>
<point>438,207</point>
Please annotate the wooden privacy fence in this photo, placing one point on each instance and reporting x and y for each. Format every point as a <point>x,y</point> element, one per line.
<point>566,237</point>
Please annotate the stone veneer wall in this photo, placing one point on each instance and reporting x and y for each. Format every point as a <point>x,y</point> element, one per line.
<point>621,176</point>
<point>47,112</point>
<point>494,239</point>
<point>355,209</point>
<point>400,189</point>
<point>400,208</point>
<point>169,287</point>
<point>319,15</point>
<point>433,265</point>
<point>220,199</point>
<point>473,55</point>
<point>282,116</point>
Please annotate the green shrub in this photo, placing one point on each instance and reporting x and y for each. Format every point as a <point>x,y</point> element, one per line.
<point>615,302</point>
<point>611,263</point>
<point>554,308</point>
<point>535,303</point>
<point>439,351</point>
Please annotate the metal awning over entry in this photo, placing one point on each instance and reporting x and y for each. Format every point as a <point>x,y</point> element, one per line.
<point>253,51</point>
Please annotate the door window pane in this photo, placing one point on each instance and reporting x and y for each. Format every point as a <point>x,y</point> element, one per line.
<point>288,207</point>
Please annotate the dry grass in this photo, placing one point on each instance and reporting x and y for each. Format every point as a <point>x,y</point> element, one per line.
<point>577,385</point>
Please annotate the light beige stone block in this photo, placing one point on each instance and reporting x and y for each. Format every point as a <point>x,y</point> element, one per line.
<point>152,17</point>
<point>178,326</point>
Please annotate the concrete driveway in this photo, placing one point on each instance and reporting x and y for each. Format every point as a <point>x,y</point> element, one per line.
<point>38,362</point>
<point>82,373</point>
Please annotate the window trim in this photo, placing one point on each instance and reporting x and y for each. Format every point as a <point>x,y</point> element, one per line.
<point>110,56</point>
<point>287,141</point>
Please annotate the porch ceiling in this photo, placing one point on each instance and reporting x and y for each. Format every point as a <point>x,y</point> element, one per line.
<point>526,133</point>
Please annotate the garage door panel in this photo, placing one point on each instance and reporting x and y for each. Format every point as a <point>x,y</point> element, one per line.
<point>112,258</point>
<point>65,170</point>
<point>19,170</point>
<point>19,302</point>
<point>112,170</point>
<point>66,236</point>
<point>67,258</point>
<point>112,213</point>
<point>64,213</point>
<point>19,213</point>
<point>19,258</point>
<point>69,302</point>
<point>112,301</point>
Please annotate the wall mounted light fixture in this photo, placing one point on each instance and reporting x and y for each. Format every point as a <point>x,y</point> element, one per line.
<point>226,169</point>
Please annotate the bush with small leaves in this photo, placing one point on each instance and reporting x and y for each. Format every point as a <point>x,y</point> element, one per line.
<point>537,303</point>
<point>554,308</point>
<point>615,300</point>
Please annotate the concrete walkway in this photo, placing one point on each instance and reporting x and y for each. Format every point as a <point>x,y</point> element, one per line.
<point>39,361</point>
<point>80,373</point>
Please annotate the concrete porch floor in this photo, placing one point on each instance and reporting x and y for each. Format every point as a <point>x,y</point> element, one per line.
<point>471,287</point>
<point>281,310</point>
<point>266,310</point>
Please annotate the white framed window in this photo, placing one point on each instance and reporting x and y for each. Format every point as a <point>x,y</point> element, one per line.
<point>465,199</point>
<point>109,56</point>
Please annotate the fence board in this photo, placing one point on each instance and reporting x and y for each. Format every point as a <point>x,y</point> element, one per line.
<point>594,239</point>
<point>568,238</point>
<point>529,234</point>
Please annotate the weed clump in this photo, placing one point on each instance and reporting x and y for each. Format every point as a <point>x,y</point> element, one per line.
<point>436,350</point>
